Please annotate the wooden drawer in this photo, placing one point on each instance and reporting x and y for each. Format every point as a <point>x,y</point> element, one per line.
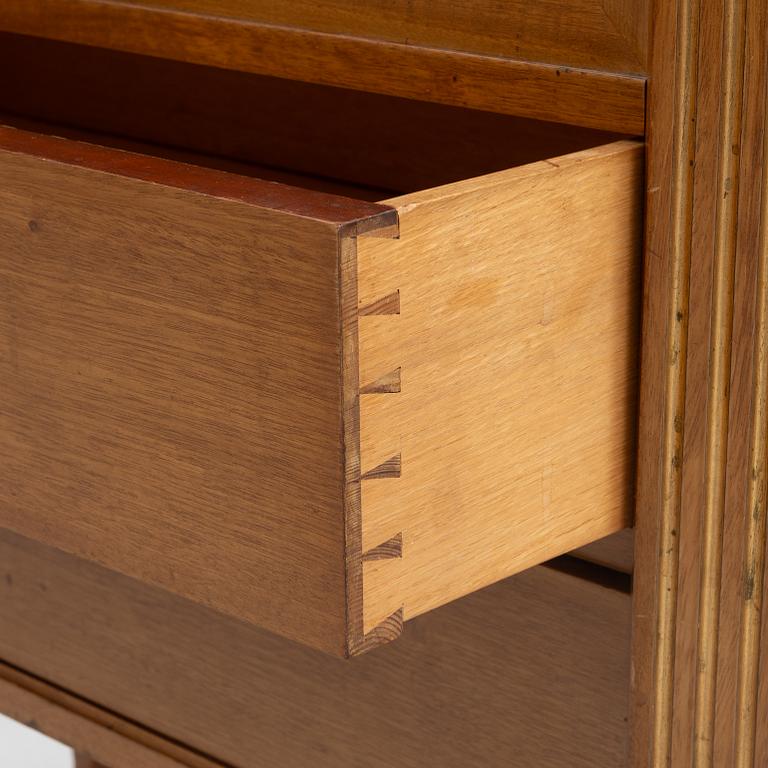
<point>320,415</point>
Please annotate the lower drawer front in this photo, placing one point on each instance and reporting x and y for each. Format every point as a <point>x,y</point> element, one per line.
<point>318,415</point>
<point>533,671</point>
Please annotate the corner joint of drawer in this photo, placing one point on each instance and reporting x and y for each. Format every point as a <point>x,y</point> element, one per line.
<point>389,383</point>
<point>386,305</point>
<point>384,632</point>
<point>388,550</point>
<point>390,468</point>
<point>385,224</point>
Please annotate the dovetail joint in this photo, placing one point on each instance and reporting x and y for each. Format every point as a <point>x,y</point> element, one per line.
<point>387,469</point>
<point>389,550</point>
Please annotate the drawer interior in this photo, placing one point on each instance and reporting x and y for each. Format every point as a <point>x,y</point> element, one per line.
<point>365,145</point>
<point>477,353</point>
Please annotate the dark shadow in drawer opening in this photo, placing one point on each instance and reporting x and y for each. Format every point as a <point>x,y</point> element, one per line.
<point>335,140</point>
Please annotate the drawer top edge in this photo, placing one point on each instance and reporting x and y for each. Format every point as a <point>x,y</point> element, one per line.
<point>343,213</point>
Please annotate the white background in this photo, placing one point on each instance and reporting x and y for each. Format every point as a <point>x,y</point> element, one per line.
<point>22,747</point>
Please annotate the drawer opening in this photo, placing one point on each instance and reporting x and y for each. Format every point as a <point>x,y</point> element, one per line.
<point>361,145</point>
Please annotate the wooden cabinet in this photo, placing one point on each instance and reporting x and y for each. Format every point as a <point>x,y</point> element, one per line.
<point>319,325</point>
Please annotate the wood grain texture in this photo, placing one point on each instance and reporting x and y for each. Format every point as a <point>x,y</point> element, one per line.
<point>172,378</point>
<point>535,667</point>
<point>201,162</point>
<point>662,379</point>
<point>579,94</point>
<point>700,682</point>
<point>339,211</point>
<point>595,34</point>
<point>761,708</point>
<point>511,438</point>
<point>750,734</point>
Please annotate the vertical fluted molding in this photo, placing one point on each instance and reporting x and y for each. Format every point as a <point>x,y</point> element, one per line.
<point>718,388</point>
<point>684,144</point>
<point>701,557</point>
<point>755,510</point>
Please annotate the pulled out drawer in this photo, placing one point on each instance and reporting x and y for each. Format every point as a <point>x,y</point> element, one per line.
<point>320,415</point>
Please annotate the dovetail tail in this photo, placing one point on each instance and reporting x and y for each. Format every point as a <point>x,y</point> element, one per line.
<point>389,550</point>
<point>389,383</point>
<point>387,469</point>
<point>389,629</point>
<point>385,632</point>
<point>389,305</point>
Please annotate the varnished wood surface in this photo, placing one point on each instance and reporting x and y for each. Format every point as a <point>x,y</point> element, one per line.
<point>249,170</point>
<point>701,690</point>
<point>564,93</point>
<point>510,436</point>
<point>608,35</point>
<point>531,671</point>
<point>665,317</point>
<point>171,371</point>
<point>82,760</point>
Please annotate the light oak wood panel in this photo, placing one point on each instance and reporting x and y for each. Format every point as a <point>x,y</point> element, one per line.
<point>509,438</point>
<point>597,34</point>
<point>579,94</point>
<point>531,671</point>
<point>172,377</point>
